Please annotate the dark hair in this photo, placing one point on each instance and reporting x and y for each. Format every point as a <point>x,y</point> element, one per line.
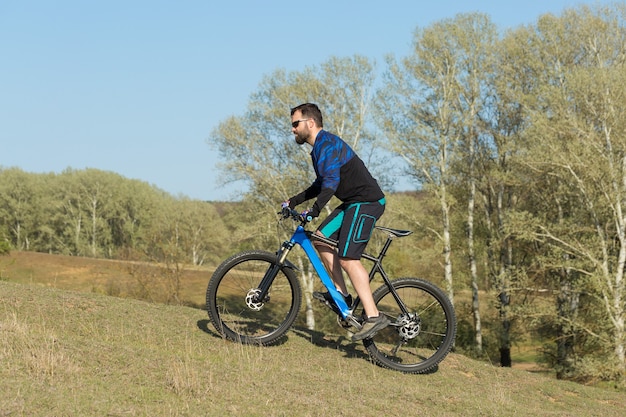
<point>310,110</point>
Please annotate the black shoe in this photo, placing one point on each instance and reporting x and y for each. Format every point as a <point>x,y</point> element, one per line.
<point>371,326</point>
<point>326,298</point>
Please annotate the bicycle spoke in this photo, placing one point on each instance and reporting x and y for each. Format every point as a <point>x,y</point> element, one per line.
<point>235,309</point>
<point>416,342</point>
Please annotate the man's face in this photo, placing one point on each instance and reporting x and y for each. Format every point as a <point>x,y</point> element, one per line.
<point>301,130</point>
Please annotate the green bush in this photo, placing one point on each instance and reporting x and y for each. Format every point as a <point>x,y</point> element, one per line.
<point>5,247</point>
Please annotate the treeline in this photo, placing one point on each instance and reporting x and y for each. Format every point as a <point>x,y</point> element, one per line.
<point>101,214</point>
<point>519,141</point>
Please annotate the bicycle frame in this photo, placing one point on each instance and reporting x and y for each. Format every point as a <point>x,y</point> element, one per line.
<point>303,238</point>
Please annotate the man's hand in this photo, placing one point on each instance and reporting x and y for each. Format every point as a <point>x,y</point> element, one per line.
<point>285,211</point>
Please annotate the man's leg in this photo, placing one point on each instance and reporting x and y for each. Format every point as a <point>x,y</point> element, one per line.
<point>361,283</point>
<point>360,280</point>
<point>330,260</point>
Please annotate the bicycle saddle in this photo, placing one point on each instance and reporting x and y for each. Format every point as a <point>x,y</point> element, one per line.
<point>395,232</point>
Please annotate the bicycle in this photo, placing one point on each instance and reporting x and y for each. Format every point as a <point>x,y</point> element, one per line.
<point>253,297</point>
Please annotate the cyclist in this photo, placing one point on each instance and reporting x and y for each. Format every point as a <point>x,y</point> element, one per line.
<point>341,173</point>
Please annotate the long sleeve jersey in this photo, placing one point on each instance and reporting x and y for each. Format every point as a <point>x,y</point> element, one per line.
<point>339,172</point>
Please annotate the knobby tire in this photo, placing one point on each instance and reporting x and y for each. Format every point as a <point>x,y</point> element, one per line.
<point>435,332</point>
<point>232,316</point>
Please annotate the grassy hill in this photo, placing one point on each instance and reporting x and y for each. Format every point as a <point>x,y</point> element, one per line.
<point>68,353</point>
<point>105,276</point>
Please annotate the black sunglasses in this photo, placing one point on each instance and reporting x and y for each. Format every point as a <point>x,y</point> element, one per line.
<point>297,122</point>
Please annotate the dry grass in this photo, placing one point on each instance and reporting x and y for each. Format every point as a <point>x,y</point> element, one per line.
<point>67,354</point>
<point>101,276</point>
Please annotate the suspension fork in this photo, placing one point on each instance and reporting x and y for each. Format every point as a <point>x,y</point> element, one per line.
<point>272,271</point>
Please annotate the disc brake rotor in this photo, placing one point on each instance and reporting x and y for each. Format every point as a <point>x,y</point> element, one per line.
<point>409,325</point>
<point>252,300</point>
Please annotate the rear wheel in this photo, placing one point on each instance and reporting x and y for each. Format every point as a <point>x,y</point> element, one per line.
<point>417,340</point>
<point>233,305</point>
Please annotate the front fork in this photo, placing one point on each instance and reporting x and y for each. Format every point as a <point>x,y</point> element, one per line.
<point>264,287</point>
<point>258,296</point>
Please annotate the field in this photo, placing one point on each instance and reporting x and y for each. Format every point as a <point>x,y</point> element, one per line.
<point>81,352</point>
<point>102,276</point>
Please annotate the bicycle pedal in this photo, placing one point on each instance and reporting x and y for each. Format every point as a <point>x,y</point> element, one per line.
<point>353,322</point>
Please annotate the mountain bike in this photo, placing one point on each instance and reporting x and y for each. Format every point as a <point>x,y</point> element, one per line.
<point>254,297</point>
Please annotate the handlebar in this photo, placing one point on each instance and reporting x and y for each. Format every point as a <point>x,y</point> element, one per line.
<point>287,213</point>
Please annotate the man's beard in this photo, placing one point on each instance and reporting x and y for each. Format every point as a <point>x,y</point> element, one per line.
<point>300,140</point>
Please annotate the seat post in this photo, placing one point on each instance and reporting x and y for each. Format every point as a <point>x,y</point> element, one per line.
<point>383,251</point>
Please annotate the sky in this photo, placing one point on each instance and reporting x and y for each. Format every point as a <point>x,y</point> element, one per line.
<point>136,87</point>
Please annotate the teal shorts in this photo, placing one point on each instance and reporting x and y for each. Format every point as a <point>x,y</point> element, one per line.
<point>352,226</point>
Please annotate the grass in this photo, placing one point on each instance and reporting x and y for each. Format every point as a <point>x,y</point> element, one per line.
<point>67,353</point>
<point>71,353</point>
<point>98,275</point>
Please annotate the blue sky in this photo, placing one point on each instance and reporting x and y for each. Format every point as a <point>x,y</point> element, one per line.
<point>136,87</point>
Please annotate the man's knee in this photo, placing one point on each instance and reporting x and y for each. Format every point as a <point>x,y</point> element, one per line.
<point>346,263</point>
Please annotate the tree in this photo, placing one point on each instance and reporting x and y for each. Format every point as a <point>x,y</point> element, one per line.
<point>473,38</point>
<point>18,206</point>
<point>258,147</point>
<point>429,107</point>
<point>501,188</point>
<point>577,127</point>
<point>132,213</point>
<point>203,233</point>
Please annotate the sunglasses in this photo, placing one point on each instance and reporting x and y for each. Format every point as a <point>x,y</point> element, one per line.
<point>297,122</point>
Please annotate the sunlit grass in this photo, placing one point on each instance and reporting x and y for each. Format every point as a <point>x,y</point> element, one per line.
<point>67,353</point>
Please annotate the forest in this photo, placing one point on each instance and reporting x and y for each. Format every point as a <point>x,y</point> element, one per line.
<point>515,143</point>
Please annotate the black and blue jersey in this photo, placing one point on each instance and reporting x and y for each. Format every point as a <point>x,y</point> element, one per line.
<point>340,172</point>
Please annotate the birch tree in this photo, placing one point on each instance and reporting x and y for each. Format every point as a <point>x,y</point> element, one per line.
<point>428,107</point>
<point>579,138</point>
<point>258,147</point>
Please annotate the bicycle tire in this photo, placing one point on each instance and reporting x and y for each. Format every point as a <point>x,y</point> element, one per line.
<point>428,335</point>
<point>230,311</point>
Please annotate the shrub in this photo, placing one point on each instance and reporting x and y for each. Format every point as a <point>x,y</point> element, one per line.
<point>5,247</point>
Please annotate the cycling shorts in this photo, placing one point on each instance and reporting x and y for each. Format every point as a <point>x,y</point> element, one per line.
<point>352,224</point>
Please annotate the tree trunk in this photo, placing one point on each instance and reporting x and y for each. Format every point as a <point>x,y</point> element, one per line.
<point>94,226</point>
<point>306,278</point>
<point>478,337</point>
<point>447,253</point>
<point>504,285</point>
<point>567,307</point>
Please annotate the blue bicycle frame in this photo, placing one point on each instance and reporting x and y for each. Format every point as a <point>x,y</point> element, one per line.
<point>301,237</point>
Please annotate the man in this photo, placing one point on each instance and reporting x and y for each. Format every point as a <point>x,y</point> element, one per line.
<point>340,172</point>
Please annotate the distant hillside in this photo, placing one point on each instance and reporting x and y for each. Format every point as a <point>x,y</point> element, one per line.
<point>68,353</point>
<point>102,276</point>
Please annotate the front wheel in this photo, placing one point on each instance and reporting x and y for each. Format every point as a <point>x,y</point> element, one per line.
<point>419,337</point>
<point>238,314</point>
